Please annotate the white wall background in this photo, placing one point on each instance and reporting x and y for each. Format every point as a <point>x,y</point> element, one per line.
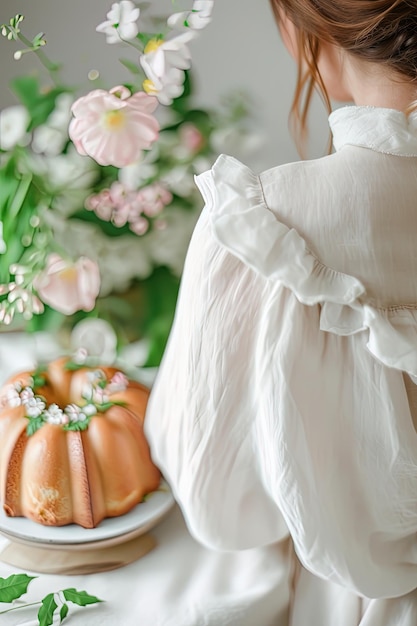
<point>240,50</point>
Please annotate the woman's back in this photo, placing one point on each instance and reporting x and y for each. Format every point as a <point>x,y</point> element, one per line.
<point>285,405</point>
<point>357,209</point>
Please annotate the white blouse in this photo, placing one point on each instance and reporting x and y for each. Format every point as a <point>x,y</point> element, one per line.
<point>280,406</point>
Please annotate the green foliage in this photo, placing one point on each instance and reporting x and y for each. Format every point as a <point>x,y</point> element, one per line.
<point>43,188</point>
<point>16,585</point>
<point>77,426</point>
<point>34,424</point>
<point>38,103</point>
<point>47,610</point>
<point>82,598</point>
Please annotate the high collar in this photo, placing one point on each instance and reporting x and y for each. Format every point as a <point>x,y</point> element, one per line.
<point>384,130</point>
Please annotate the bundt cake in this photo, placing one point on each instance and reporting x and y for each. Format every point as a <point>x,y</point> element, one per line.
<point>72,446</point>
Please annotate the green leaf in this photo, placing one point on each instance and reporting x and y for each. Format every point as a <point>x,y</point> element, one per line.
<point>105,406</point>
<point>38,380</point>
<point>47,610</point>
<point>19,197</point>
<point>63,613</point>
<point>82,598</point>
<point>77,426</point>
<point>39,103</point>
<point>35,423</point>
<point>14,586</point>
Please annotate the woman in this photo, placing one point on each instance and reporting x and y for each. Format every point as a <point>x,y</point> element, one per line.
<point>286,405</point>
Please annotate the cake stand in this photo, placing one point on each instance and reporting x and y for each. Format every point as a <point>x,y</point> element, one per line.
<point>72,549</point>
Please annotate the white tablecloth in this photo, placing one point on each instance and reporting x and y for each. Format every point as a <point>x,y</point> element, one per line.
<point>178,583</point>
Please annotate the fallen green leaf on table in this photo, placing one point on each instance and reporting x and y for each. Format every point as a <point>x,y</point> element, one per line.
<point>16,585</point>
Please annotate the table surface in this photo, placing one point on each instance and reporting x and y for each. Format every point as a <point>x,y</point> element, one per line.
<point>178,583</point>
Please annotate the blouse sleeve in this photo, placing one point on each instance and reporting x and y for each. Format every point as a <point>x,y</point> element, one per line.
<point>280,404</point>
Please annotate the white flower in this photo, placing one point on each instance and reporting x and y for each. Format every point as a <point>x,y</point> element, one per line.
<point>118,382</point>
<point>10,397</point>
<point>54,415</point>
<point>13,125</point>
<point>50,138</point>
<point>27,395</point>
<point>199,16</point>
<point>167,89</point>
<point>34,406</point>
<point>97,338</point>
<point>121,22</point>
<point>100,396</point>
<point>163,62</point>
<point>74,413</point>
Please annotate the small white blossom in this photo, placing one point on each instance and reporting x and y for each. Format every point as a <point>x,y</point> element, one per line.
<point>199,16</point>
<point>121,22</point>
<point>74,413</point>
<point>118,382</point>
<point>10,397</point>
<point>100,396</point>
<point>27,395</point>
<point>34,406</point>
<point>54,414</point>
<point>89,410</point>
<point>13,125</point>
<point>167,89</point>
<point>163,63</point>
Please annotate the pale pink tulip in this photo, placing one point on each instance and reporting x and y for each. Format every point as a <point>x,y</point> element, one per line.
<point>113,127</point>
<point>69,287</point>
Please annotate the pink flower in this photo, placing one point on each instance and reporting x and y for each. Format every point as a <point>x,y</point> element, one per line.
<point>154,198</point>
<point>139,226</point>
<point>113,127</point>
<point>191,137</point>
<point>69,287</point>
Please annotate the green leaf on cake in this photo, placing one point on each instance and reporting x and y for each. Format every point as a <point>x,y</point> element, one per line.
<point>35,423</point>
<point>14,586</point>
<point>82,598</point>
<point>77,426</point>
<point>47,610</point>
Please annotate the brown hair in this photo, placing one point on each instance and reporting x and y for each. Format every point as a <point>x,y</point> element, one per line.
<point>380,31</point>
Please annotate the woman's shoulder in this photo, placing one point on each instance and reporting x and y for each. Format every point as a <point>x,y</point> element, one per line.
<point>240,222</point>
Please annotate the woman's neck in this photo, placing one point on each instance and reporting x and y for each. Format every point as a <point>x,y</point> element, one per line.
<point>369,84</point>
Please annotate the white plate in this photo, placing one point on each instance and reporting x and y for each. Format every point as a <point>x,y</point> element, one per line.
<point>139,520</point>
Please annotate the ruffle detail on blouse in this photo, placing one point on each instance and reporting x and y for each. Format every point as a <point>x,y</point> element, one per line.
<point>392,332</point>
<point>243,224</point>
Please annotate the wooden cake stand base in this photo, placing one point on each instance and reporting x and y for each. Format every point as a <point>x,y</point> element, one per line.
<point>70,560</point>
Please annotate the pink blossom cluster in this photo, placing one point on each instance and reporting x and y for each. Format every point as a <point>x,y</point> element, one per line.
<point>121,205</point>
<point>98,389</point>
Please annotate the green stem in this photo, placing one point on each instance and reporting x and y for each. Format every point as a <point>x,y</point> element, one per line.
<point>23,606</point>
<point>52,68</point>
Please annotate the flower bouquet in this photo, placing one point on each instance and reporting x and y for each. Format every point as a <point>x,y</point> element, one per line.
<point>97,193</point>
